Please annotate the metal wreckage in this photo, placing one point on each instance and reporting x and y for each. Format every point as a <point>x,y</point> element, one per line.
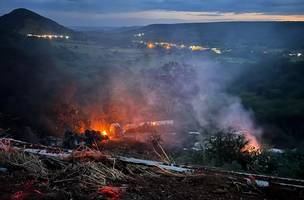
<point>84,162</point>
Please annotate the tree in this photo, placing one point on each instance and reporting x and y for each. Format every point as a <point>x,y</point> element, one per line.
<point>226,146</point>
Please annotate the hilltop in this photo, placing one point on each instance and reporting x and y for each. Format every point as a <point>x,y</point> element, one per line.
<point>271,34</point>
<point>24,21</point>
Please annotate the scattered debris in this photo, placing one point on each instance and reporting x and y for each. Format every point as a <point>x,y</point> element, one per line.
<point>3,169</point>
<point>155,164</point>
<point>111,193</point>
<point>36,171</point>
<point>261,183</point>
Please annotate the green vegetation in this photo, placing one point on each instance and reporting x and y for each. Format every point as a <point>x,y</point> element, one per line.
<point>41,77</point>
<point>273,89</point>
<point>225,149</point>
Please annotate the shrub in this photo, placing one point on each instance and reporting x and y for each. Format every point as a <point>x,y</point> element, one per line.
<point>225,146</point>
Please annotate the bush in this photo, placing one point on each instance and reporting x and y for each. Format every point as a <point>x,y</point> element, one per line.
<point>224,147</point>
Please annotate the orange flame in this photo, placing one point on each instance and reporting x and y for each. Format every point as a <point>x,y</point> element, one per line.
<point>104,132</point>
<point>150,45</point>
<point>253,146</point>
<point>167,46</point>
<point>95,125</point>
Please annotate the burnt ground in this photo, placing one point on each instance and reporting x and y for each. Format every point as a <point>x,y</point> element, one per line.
<point>19,185</point>
<point>91,174</point>
<point>206,186</point>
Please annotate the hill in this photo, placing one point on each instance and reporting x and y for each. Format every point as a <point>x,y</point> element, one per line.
<point>24,21</point>
<point>271,34</point>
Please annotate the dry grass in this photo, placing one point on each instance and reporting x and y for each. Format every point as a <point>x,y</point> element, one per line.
<point>88,175</point>
<point>30,163</point>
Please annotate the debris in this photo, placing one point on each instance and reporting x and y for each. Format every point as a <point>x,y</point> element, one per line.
<point>99,175</point>
<point>89,138</point>
<point>3,169</point>
<point>111,192</point>
<point>159,150</point>
<point>18,195</point>
<point>261,183</point>
<point>31,163</point>
<point>220,191</point>
<point>155,164</point>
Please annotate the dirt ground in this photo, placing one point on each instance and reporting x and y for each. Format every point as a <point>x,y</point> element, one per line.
<point>91,174</point>
<point>19,185</point>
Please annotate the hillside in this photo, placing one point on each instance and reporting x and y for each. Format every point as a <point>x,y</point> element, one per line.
<point>269,84</point>
<point>271,34</point>
<point>24,21</point>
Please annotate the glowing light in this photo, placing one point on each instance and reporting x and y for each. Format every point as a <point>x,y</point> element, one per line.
<point>139,35</point>
<point>167,46</point>
<point>150,45</point>
<point>253,146</point>
<point>104,133</point>
<point>196,48</point>
<point>48,36</point>
<point>216,50</point>
<point>182,46</point>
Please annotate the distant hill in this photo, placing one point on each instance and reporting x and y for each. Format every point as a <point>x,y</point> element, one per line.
<point>24,21</point>
<point>228,33</point>
<point>105,28</point>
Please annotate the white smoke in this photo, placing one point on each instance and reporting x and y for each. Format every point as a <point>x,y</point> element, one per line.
<point>237,117</point>
<point>214,107</point>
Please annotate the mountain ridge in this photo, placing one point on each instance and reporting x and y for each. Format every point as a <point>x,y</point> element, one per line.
<point>24,21</point>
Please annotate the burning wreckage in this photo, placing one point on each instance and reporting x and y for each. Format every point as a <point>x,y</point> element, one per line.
<point>90,138</point>
<point>82,163</point>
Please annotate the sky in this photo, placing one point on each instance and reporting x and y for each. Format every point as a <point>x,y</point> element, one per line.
<point>143,12</point>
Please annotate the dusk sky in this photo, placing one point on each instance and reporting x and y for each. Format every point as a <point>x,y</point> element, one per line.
<point>142,12</point>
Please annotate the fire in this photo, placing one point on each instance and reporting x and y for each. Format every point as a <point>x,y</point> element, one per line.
<point>111,131</point>
<point>95,125</point>
<point>150,45</point>
<point>81,129</point>
<point>167,46</point>
<point>104,132</point>
<point>253,146</point>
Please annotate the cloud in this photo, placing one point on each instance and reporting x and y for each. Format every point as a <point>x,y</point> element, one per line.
<point>139,12</point>
<point>269,6</point>
<point>164,16</point>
